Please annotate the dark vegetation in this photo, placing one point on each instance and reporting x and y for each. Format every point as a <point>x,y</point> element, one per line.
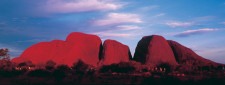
<point>131,72</point>
<point>122,67</point>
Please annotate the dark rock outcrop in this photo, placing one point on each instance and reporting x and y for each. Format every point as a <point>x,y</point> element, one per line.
<point>186,56</point>
<point>154,50</point>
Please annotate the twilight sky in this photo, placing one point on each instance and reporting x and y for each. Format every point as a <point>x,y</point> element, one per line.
<point>197,24</point>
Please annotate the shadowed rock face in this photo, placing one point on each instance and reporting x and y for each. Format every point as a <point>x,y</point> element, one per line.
<point>77,46</point>
<point>114,52</point>
<point>186,56</point>
<point>153,50</point>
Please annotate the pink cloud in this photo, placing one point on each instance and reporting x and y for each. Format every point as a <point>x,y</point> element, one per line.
<point>198,31</point>
<point>204,18</point>
<point>68,6</point>
<point>180,24</point>
<point>117,19</point>
<point>223,23</point>
<point>128,27</point>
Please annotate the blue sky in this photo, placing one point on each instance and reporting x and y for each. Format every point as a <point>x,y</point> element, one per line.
<point>197,24</point>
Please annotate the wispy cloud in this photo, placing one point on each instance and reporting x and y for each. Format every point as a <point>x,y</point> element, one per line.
<point>113,19</point>
<point>179,24</point>
<point>119,24</point>
<point>159,15</point>
<point>2,23</point>
<point>194,32</point>
<point>128,27</point>
<point>193,22</point>
<point>216,54</point>
<point>203,18</point>
<point>147,8</point>
<point>33,40</point>
<point>223,23</point>
<point>13,51</point>
<point>68,6</point>
<point>211,50</point>
<point>108,34</point>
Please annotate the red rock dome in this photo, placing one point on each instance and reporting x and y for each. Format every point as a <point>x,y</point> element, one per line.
<point>154,50</point>
<point>114,52</point>
<point>77,46</point>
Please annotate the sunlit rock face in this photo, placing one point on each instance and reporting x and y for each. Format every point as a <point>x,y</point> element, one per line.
<point>186,56</point>
<point>77,46</point>
<point>151,50</point>
<point>114,52</point>
<point>154,50</point>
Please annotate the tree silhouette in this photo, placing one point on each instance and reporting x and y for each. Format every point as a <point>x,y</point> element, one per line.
<point>122,67</point>
<point>26,64</point>
<point>4,54</point>
<point>50,65</point>
<point>5,65</point>
<point>60,72</point>
<point>80,66</point>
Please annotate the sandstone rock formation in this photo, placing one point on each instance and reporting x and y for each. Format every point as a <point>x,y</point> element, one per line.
<point>186,56</point>
<point>151,50</point>
<point>114,52</point>
<point>154,50</point>
<point>77,46</point>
